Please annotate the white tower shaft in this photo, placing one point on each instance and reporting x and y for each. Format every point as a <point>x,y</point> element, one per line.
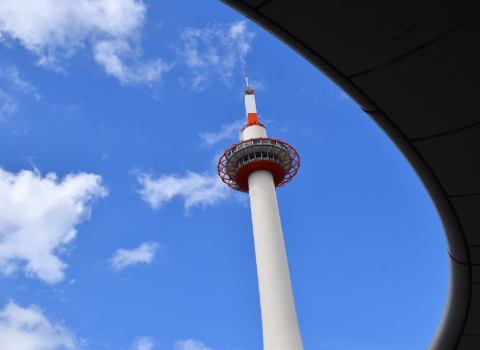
<point>279,317</point>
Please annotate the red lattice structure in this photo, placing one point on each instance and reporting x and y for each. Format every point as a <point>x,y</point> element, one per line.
<point>242,159</point>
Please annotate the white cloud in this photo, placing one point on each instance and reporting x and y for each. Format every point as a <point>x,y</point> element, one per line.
<point>38,218</point>
<point>257,85</point>
<point>112,54</point>
<point>342,96</point>
<point>338,95</point>
<point>190,344</point>
<point>8,105</point>
<point>143,254</point>
<point>28,329</point>
<point>142,343</point>
<point>23,85</point>
<point>216,49</point>
<point>228,131</point>
<point>196,189</point>
<point>53,30</point>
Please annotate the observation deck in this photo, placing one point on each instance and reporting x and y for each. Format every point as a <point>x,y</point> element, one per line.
<point>242,159</point>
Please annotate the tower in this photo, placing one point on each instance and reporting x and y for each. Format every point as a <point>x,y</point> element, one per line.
<point>258,165</point>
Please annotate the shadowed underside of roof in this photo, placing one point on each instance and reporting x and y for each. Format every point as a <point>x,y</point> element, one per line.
<point>414,67</point>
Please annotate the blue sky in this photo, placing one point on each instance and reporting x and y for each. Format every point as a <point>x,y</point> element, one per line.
<point>115,230</point>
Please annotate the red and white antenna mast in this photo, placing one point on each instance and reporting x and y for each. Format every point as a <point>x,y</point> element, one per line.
<point>250,105</point>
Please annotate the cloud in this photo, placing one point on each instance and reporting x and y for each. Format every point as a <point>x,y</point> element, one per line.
<point>190,344</point>
<point>23,85</point>
<point>217,49</point>
<point>257,85</point>
<point>227,132</point>
<point>142,343</point>
<point>53,30</point>
<point>195,189</point>
<point>143,254</point>
<point>338,95</point>
<point>112,54</point>
<point>38,216</point>
<point>8,105</point>
<point>28,329</point>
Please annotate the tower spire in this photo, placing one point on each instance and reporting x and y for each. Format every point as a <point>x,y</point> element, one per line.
<point>250,105</point>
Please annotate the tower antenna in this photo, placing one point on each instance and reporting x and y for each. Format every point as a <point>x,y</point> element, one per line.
<point>246,78</point>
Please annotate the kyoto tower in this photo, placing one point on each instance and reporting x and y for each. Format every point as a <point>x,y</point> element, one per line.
<point>257,165</point>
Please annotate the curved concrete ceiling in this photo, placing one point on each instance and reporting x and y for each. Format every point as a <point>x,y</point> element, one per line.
<point>414,67</point>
